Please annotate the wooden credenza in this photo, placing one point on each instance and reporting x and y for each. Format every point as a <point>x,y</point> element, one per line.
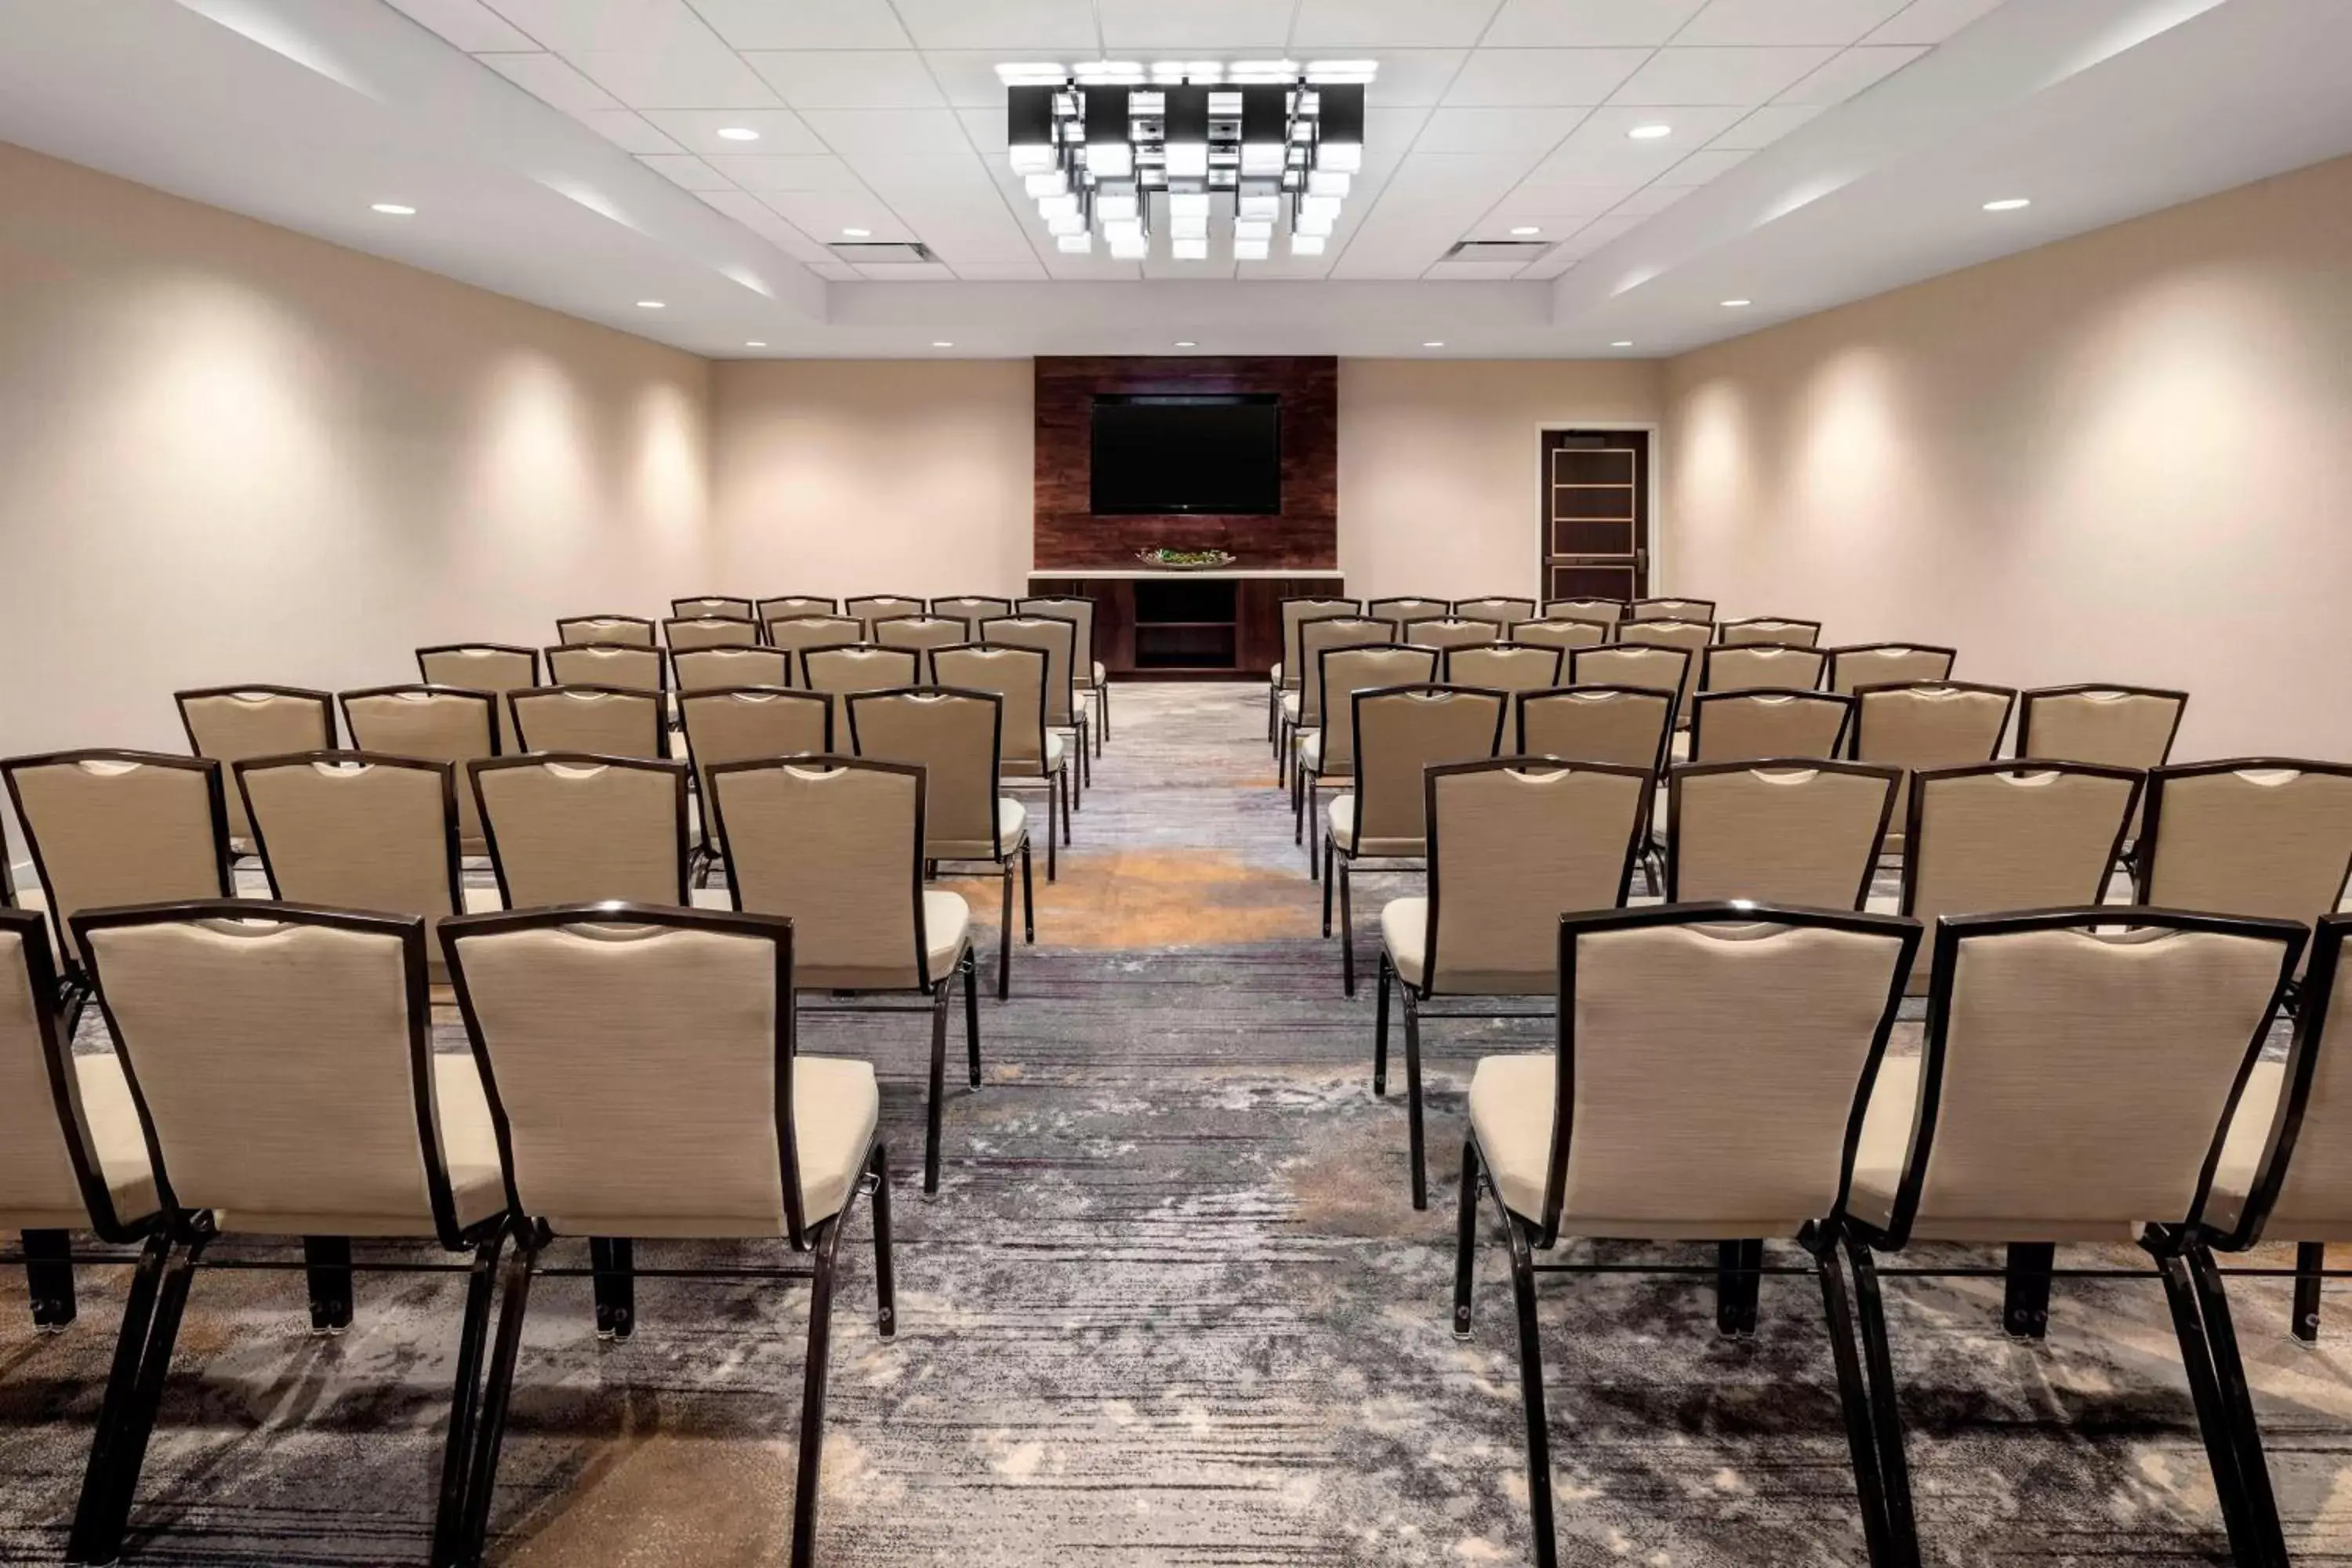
<point>1187,625</point>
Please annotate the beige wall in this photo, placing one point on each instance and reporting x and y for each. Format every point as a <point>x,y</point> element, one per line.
<point>1439,467</point>
<point>2125,456</point>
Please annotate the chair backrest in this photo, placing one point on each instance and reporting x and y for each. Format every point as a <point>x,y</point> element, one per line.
<point>1341,672</point>
<point>1561,632</point>
<point>796,635</point>
<point>1999,837</point>
<point>1608,611</point>
<point>1503,667</point>
<point>955,737</point>
<point>857,667</point>
<point>749,723</point>
<point>494,668</point>
<point>1513,842</point>
<point>2079,1070</point>
<point>1017,674</point>
<point>724,605</point>
<point>629,666</point>
<point>2119,726</point>
<point>50,1173</point>
<point>1501,611</point>
<point>870,608</point>
<point>972,609</point>
<point>229,724</point>
<point>1712,1066</point>
<point>1918,724</point>
<point>358,830</point>
<point>1296,613</point>
<point>1401,732</point>
<point>109,828</point>
<point>575,1014</point>
<point>2257,835</point>
<point>1057,641</point>
<point>1671,610</point>
<point>1645,665</point>
<point>432,724</point>
<point>1452,632</point>
<point>922,632</point>
<point>1776,630</point>
<point>601,720</point>
<point>785,606</point>
<point>836,845</point>
<point>1745,666</point>
<point>2300,1157</point>
<point>716,669</point>
<point>1625,726</point>
<point>1789,831</point>
<point>1320,635</point>
<point>1885,663</point>
<point>1080,612</point>
<point>688,632</point>
<point>1691,637</point>
<point>569,828</point>
<point>282,1062</point>
<point>1403,607</point>
<point>636,631</point>
<point>1742,726</point>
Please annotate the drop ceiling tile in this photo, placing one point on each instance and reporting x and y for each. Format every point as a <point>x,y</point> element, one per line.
<point>1651,199</point>
<point>987,129</point>
<point>1559,213</point>
<point>1589,24</point>
<point>1014,26</point>
<point>908,272</point>
<point>783,133</point>
<point>1474,272</point>
<point>804,23</point>
<point>848,79</point>
<point>835,272</point>
<point>628,130</point>
<point>1704,165</point>
<point>769,225</point>
<point>1323,25</point>
<point>1497,129</point>
<point>686,170</point>
<point>690,70</point>
<point>1766,125</point>
<point>1930,21</point>
<point>1600,151</point>
<point>968,77</point>
<point>578,26</point>
<point>1413,78</point>
<point>822,215</point>
<point>1734,76</point>
<point>1851,72</point>
<point>1595,234</point>
<point>1206,27</point>
<point>1513,78</point>
<point>1839,22</point>
<point>1028,271</point>
<point>549,77</point>
<point>468,24</point>
<point>1551,264</point>
<point>860,133</point>
<point>821,172</point>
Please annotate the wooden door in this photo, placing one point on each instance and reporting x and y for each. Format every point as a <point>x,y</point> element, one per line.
<point>1596,514</point>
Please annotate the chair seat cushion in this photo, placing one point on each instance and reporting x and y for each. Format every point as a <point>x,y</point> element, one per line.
<point>1290,700</point>
<point>835,1107</point>
<point>1011,827</point>
<point>1057,752</point>
<point>1342,816</point>
<point>1511,1111</point>
<point>947,931</point>
<point>2242,1154</point>
<point>117,1143</point>
<point>1404,931</point>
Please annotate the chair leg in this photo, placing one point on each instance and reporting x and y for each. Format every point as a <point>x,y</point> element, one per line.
<point>327,1259</point>
<point>1347,932</point>
<point>1465,1237</point>
<point>1854,1400</point>
<point>1736,1286</point>
<point>2238,1404</point>
<point>1886,1416</point>
<point>2213,1420</point>
<point>129,1448</point>
<point>1005,936</point>
<point>49,1278</point>
<point>1412,1096</point>
<point>612,1260</point>
<point>939,1076</point>
<point>1523,1289</point>
<point>129,1345</point>
<point>1064,776</point>
<point>521,1266</point>
<point>820,1336</point>
<point>2025,1297</point>
<point>1053,868</point>
<point>885,1274</point>
<point>1380,1027</point>
<point>1298,812</point>
<point>1028,898</point>
<point>969,968</point>
<point>2310,1258</point>
<point>465,1406</point>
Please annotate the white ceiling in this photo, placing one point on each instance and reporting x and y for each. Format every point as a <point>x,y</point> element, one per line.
<point>567,151</point>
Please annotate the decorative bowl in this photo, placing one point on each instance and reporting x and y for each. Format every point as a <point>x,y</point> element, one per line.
<point>1169,560</point>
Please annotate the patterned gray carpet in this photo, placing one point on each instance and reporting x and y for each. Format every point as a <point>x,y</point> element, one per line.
<point>1170,1307</point>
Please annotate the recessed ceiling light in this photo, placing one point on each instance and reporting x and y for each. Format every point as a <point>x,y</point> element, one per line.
<point>1526,229</point>
<point>1650,133</point>
<point>2008,204</point>
<point>1435,343</point>
<point>651,304</point>
<point>738,133</point>
<point>1186,344</point>
<point>1736,304</point>
<point>394,209</point>
<point>755,343</point>
<point>941,344</point>
<point>1622,343</point>
<point>859,233</point>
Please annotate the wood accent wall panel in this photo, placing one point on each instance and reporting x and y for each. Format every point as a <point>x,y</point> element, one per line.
<point>1305,535</point>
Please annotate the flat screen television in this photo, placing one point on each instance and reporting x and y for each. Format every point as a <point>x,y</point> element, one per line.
<point>1213,453</point>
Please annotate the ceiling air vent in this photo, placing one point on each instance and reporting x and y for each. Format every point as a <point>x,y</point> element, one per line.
<point>882,253</point>
<point>1492,249</point>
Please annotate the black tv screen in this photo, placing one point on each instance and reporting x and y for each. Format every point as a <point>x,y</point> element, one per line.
<point>1218,454</point>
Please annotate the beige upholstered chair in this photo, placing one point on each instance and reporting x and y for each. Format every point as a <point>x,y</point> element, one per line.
<point>628,665</point>
<point>684,634</point>
<point>836,672</point>
<point>921,633</point>
<point>1302,709</point>
<point>1625,726</point>
<point>2002,837</point>
<point>494,668</point>
<point>1562,632</point>
<point>1748,667</point>
<point>573,829</point>
<point>1692,636</point>
<point>1289,674</point>
<point>1404,609</point>
<point>785,606</point>
<point>2078,1072</point>
<point>796,635</point>
<point>717,668</point>
<point>1775,631</point>
<point>2117,726</point>
<point>1742,726</point>
<point>836,845</point>
<point>432,724</point>
<point>282,1063</point>
<point>575,1014</point>
<point>1917,725</point>
<point>1400,733</point>
<point>1056,638</point>
<point>601,720</point>
<point>1087,671</point>
<point>1705,1085</point>
<point>874,608</point>
<point>1445,631</point>
<point>1504,667</point>
<point>1626,664</point>
<point>1513,842</point>
<point>109,828</point>
<point>972,609</point>
<point>749,723</point>
<point>1496,610</point>
<point>230,723</point>
<point>72,1156</point>
<point>955,737</point>
<point>1608,611</point>
<point>1783,831</point>
<point>725,605</point>
<point>635,631</point>
<point>1030,753</point>
<point>2254,836</point>
<point>1327,752</point>
<point>1885,663</point>
<point>1671,610</point>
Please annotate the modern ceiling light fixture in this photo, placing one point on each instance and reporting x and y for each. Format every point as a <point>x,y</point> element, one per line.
<point>394,209</point>
<point>652,305</point>
<point>738,133</point>
<point>1526,230</point>
<point>856,233</point>
<point>2006,203</point>
<point>1112,149</point>
<point>1650,133</point>
<point>1736,304</point>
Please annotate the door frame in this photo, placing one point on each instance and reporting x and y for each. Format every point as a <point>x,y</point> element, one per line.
<point>1649,531</point>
